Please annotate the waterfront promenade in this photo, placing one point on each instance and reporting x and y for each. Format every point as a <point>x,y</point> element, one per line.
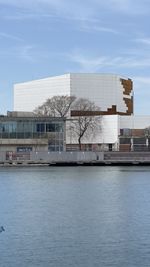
<point>83,158</point>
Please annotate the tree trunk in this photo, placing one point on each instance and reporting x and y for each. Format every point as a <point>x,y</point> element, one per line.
<point>80,145</point>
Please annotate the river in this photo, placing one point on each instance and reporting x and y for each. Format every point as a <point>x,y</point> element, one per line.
<point>75,216</point>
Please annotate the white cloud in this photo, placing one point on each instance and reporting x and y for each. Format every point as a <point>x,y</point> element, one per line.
<point>61,7</point>
<point>88,8</point>
<point>87,64</point>
<point>23,52</point>
<point>30,3</point>
<point>141,85</point>
<point>145,41</point>
<point>133,7</point>
<point>142,80</point>
<point>118,4</point>
<point>93,64</point>
<point>97,28</point>
<point>29,16</point>
<point>10,36</point>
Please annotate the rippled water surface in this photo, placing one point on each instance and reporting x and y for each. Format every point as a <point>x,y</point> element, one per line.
<point>75,216</point>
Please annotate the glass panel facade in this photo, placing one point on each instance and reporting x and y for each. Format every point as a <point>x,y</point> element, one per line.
<point>40,127</point>
<point>36,128</point>
<point>125,132</point>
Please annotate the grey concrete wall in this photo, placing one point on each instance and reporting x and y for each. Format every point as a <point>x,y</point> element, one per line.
<point>118,156</point>
<point>66,156</point>
<point>54,156</point>
<point>2,155</point>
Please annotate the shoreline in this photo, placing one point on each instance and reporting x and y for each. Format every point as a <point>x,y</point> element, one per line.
<point>75,164</point>
<point>115,158</point>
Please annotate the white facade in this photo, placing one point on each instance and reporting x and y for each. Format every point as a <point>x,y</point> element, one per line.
<point>106,90</point>
<point>110,130</point>
<point>107,134</point>
<point>29,95</point>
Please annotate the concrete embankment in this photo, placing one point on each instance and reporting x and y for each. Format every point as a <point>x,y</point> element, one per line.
<point>78,159</point>
<point>127,158</point>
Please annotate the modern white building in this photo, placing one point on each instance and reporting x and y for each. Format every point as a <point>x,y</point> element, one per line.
<point>105,136</point>
<point>112,93</point>
<point>117,133</point>
<point>119,128</point>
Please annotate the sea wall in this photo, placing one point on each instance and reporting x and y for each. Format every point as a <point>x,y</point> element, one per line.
<point>74,158</point>
<point>67,156</point>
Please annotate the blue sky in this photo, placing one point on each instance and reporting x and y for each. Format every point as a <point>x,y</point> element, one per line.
<point>42,38</point>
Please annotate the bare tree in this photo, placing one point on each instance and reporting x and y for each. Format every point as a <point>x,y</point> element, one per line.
<point>57,106</point>
<point>84,113</point>
<point>86,119</point>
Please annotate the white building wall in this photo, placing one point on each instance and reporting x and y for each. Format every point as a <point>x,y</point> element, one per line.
<point>29,95</point>
<point>103,89</point>
<point>110,129</point>
<point>107,133</point>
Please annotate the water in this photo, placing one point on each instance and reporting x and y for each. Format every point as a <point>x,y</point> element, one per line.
<point>75,216</point>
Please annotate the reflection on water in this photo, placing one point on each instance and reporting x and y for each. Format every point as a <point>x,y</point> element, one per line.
<point>75,216</point>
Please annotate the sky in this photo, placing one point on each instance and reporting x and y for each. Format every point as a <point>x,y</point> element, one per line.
<point>43,38</point>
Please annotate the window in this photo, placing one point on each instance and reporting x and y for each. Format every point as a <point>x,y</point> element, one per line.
<point>58,127</point>
<point>40,127</point>
<point>50,127</point>
<point>126,132</point>
<point>124,141</point>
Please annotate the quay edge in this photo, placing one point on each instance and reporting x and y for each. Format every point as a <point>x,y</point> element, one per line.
<point>83,158</point>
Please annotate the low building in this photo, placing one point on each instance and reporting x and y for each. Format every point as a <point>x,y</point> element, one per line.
<point>23,133</point>
<point>117,133</point>
<point>28,133</point>
<point>134,133</point>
